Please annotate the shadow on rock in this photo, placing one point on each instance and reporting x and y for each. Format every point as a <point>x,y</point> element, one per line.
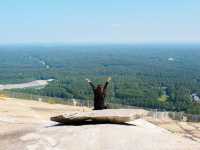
<point>89,123</point>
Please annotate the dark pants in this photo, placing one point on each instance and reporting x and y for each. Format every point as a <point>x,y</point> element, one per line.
<point>100,108</point>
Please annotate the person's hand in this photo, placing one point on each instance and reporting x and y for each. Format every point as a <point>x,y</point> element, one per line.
<point>88,80</point>
<point>109,78</point>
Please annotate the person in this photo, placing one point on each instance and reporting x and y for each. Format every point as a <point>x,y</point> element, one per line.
<point>99,94</point>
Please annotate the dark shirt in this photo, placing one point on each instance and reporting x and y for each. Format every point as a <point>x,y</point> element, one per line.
<point>99,97</point>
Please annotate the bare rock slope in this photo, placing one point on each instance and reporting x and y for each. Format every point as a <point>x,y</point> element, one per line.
<point>25,125</point>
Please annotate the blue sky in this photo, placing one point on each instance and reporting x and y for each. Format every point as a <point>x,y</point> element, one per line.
<point>102,21</point>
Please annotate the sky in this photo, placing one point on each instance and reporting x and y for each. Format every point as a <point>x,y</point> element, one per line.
<point>99,21</point>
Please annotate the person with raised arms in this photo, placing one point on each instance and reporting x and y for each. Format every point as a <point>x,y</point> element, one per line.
<point>99,94</point>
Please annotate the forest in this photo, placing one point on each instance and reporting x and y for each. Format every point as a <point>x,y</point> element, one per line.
<point>152,76</point>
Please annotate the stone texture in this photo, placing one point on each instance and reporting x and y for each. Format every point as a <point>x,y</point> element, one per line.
<point>98,116</point>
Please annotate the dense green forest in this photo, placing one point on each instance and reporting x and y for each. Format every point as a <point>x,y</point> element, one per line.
<point>153,76</point>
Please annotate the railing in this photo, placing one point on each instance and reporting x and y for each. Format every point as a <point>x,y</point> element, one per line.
<point>51,100</point>
<point>54,100</point>
<point>181,116</point>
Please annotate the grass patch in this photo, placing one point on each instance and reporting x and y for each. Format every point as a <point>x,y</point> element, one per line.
<point>163,98</point>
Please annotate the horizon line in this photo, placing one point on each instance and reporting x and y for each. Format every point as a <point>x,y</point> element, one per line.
<point>99,43</point>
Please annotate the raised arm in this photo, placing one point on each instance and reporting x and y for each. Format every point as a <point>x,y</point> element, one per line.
<point>106,84</point>
<point>91,84</point>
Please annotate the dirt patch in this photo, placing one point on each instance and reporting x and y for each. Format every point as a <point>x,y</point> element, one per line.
<point>186,129</point>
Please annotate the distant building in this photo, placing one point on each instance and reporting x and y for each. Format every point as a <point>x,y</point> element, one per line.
<point>49,80</point>
<point>195,98</point>
<point>47,66</point>
<point>170,59</point>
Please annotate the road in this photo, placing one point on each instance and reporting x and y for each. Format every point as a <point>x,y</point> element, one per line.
<point>35,83</point>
